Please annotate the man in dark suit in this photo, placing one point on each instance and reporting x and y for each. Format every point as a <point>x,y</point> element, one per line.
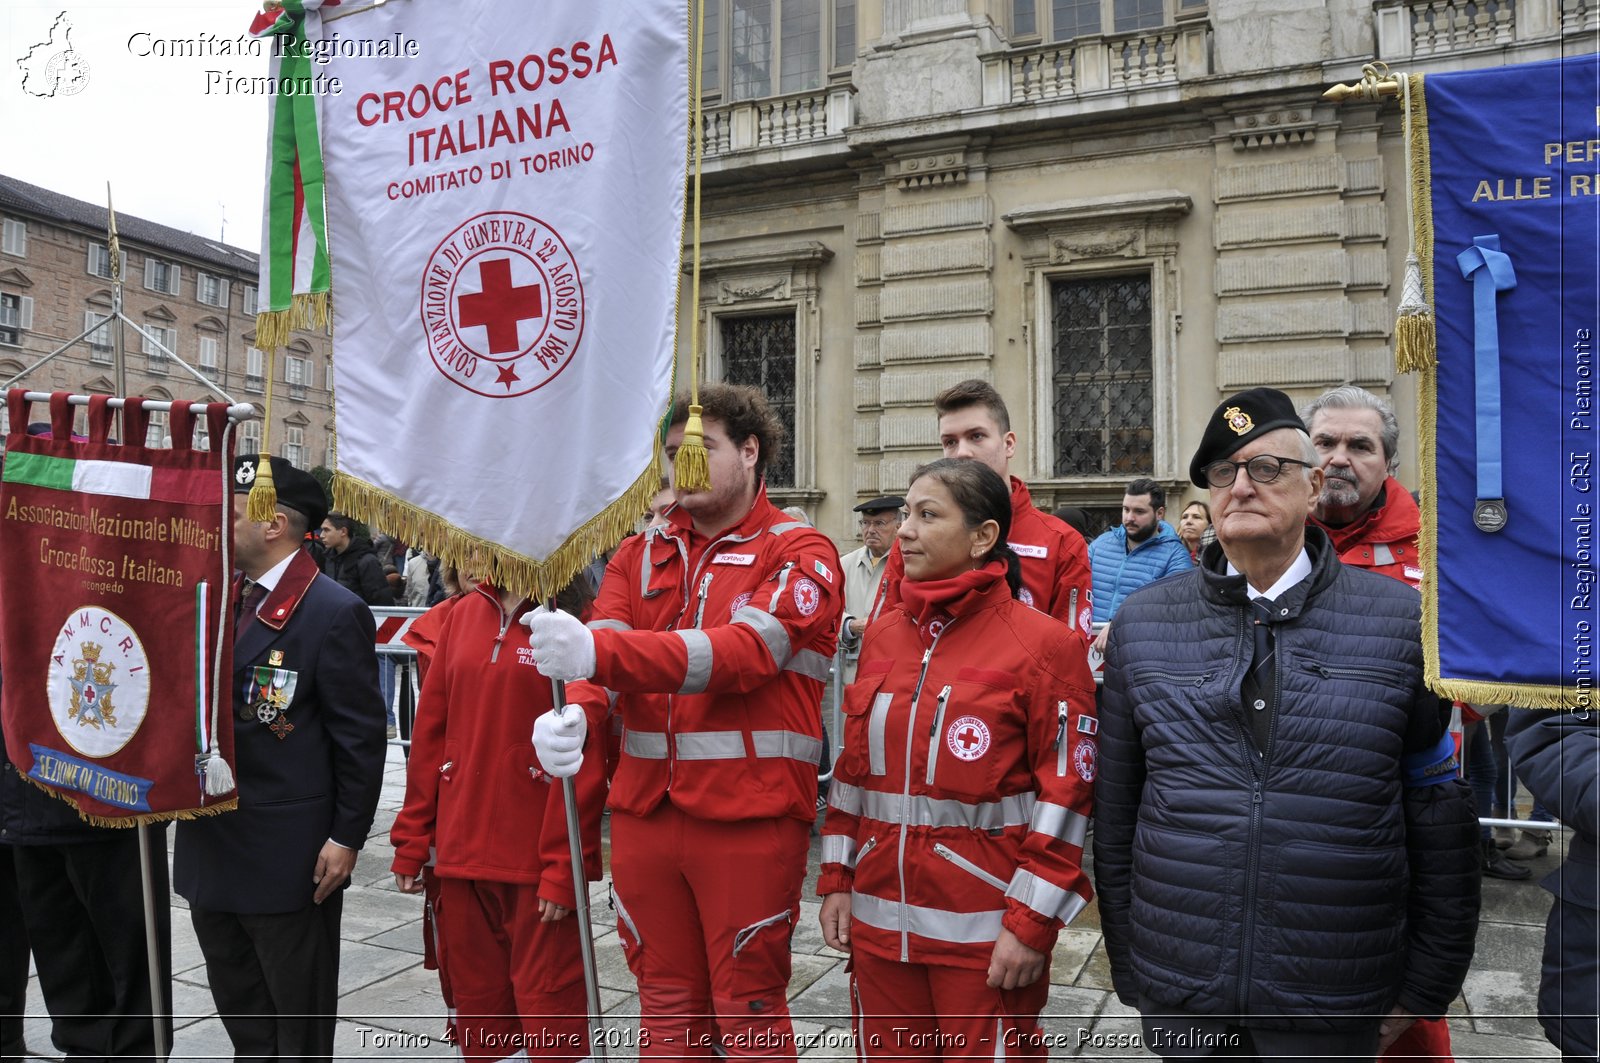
<point>265,883</point>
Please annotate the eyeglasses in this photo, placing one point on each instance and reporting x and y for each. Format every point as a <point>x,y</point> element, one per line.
<point>887,523</point>
<point>1263,469</point>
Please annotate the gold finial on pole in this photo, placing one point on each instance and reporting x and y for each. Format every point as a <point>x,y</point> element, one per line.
<point>112,246</point>
<point>1376,82</point>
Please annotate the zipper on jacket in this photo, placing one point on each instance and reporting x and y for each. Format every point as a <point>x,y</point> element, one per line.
<point>905,798</point>
<point>1061,738</point>
<point>505,625</point>
<point>969,867</point>
<point>1329,671</point>
<point>864,850</point>
<point>700,605</point>
<point>1176,677</point>
<point>743,937</point>
<point>1251,866</point>
<point>933,732</point>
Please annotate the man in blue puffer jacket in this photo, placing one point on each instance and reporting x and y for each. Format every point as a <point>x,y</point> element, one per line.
<point>1140,550</point>
<point>1284,860</point>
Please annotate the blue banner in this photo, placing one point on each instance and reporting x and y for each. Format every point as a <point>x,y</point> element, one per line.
<point>1513,157</point>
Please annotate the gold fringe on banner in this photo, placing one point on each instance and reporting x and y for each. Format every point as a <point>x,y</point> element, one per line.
<point>135,821</point>
<point>511,571</point>
<point>274,327</point>
<point>1416,340</point>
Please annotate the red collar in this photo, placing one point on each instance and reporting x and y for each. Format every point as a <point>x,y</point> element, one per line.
<point>762,515</point>
<point>285,597</point>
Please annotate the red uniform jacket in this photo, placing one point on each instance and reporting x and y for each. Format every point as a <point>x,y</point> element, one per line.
<point>718,651</point>
<point>475,795</point>
<point>1055,566</point>
<point>1385,540</point>
<point>962,798</point>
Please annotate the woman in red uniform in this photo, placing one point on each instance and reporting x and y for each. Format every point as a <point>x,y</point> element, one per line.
<point>954,837</point>
<point>477,799</point>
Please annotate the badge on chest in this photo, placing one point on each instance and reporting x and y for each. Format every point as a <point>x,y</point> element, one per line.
<point>267,694</point>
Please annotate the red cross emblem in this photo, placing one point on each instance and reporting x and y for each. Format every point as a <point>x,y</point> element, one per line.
<point>502,304</point>
<point>968,738</point>
<point>806,597</point>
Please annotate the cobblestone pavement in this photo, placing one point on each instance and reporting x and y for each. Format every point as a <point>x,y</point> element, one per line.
<point>390,1006</point>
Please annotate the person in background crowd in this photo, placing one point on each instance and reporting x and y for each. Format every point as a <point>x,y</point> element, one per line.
<point>1075,518</point>
<point>265,883</point>
<point>1557,753</point>
<point>975,425</point>
<point>1193,523</point>
<point>863,572</point>
<point>1141,550</point>
<point>715,631</point>
<point>418,567</point>
<point>1483,777</point>
<point>1285,861</point>
<point>953,848</point>
<point>493,826</point>
<point>353,563</point>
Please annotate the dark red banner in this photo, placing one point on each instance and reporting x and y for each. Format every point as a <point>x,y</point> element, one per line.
<point>116,583</point>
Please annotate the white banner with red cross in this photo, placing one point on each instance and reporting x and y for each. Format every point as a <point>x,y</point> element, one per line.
<point>505,218</point>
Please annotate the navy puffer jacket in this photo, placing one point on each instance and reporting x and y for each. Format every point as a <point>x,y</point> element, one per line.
<point>1308,886</point>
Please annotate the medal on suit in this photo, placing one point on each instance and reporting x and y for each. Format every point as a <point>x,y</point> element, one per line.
<point>267,698</point>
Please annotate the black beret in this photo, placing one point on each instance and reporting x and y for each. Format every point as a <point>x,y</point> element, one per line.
<point>1237,421</point>
<point>296,489</point>
<point>886,502</point>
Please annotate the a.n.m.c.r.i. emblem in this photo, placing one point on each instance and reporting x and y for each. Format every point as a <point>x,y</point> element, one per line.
<point>1238,420</point>
<point>98,681</point>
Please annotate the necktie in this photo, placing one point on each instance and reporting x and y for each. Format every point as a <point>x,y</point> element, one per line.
<point>1257,689</point>
<point>249,602</point>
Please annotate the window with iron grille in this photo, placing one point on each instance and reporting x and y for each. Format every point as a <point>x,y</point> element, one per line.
<point>759,351</point>
<point>1101,376</point>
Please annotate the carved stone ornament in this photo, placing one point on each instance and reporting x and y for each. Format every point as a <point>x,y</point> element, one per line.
<point>1124,243</point>
<point>729,292</point>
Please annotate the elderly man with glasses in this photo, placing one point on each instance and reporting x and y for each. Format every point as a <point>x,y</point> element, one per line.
<point>863,571</point>
<point>1286,865</point>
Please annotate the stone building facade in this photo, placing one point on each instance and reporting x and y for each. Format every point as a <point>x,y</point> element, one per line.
<point>1116,210</point>
<point>196,296</point>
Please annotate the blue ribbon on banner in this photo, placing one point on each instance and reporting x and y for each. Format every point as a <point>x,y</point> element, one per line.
<point>67,772</point>
<point>1490,271</point>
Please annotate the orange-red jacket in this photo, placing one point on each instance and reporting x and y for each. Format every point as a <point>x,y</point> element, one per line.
<point>718,651</point>
<point>1055,565</point>
<point>1385,539</point>
<point>475,795</point>
<point>960,803</point>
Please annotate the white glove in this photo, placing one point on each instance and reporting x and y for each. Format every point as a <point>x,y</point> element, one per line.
<point>562,647</point>
<point>558,740</point>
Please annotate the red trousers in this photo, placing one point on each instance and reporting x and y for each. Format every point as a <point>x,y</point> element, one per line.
<point>705,910</point>
<point>1425,1041</point>
<point>921,1011</point>
<point>517,982</point>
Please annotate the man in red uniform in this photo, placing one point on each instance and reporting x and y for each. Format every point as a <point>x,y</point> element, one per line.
<point>715,632</point>
<point>974,423</point>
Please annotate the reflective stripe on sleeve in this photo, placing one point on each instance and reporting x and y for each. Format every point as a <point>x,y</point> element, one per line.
<point>794,525</point>
<point>1061,822</point>
<point>791,744</point>
<point>812,665</point>
<point>771,630</point>
<point>845,797</point>
<point>698,672</point>
<point>647,745</point>
<point>968,928</point>
<point>839,849</point>
<point>1046,898</point>
<point>608,625</point>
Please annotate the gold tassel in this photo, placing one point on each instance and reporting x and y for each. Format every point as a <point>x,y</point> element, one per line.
<point>263,504</point>
<point>1416,344</point>
<point>515,572</point>
<point>693,471</point>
